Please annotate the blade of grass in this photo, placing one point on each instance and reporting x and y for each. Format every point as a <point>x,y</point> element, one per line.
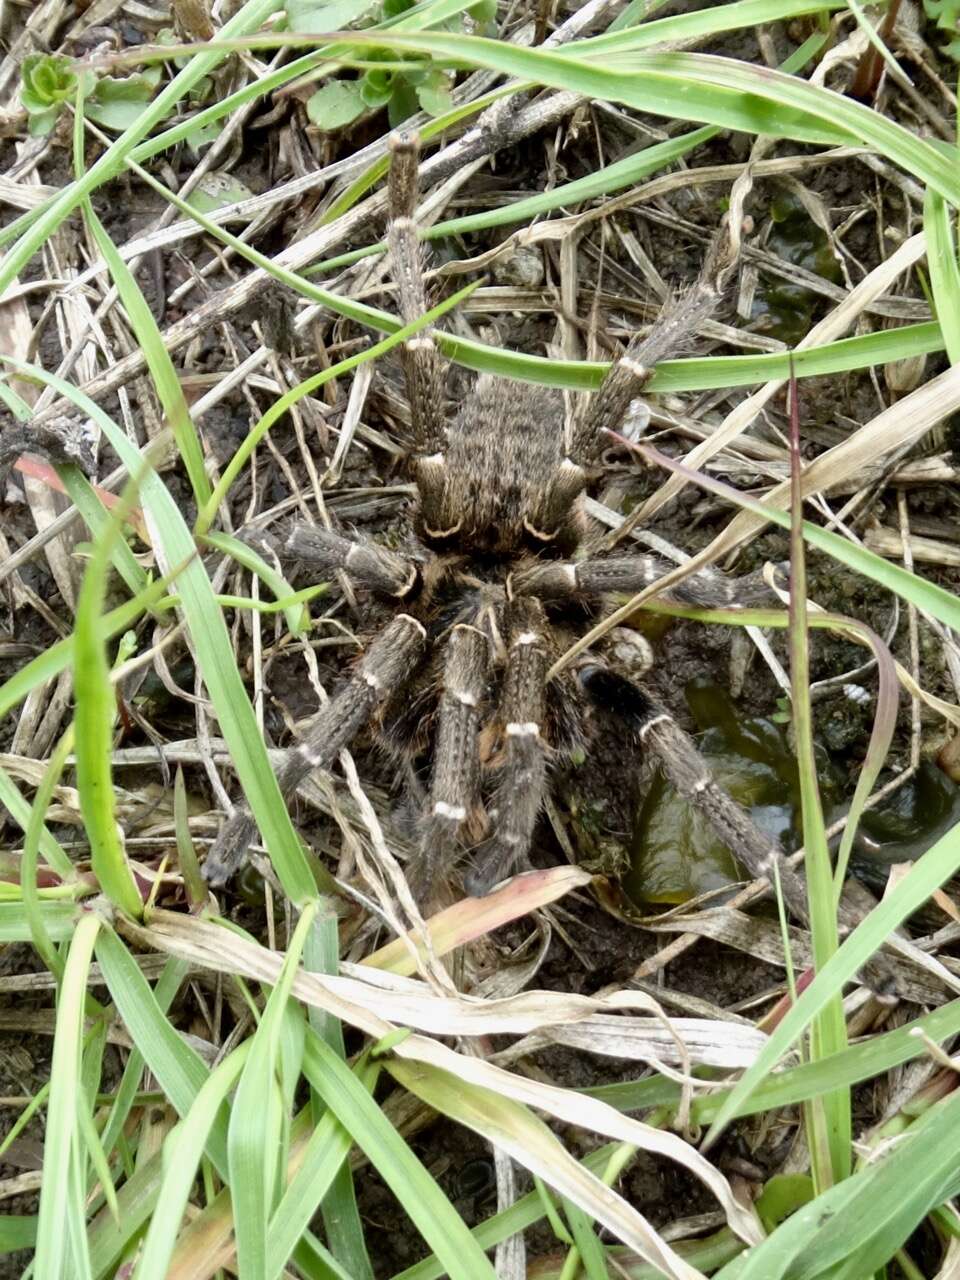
<point>944,270</point>
<point>62,1128</point>
<point>919,591</point>
<point>183,1150</point>
<point>17,1232</point>
<point>256,1156</point>
<point>697,87</point>
<point>95,713</point>
<point>829,1031</point>
<point>179,1070</point>
<point>315,1183</point>
<point>516,1130</point>
<point>709,21</point>
<point>193,882</point>
<point>794,1085</point>
<point>298,616</point>
<point>851,1230</point>
<point>87,501</point>
<point>59,920</point>
<point>428,1208</point>
<point>341,1217</point>
<point>167,985</point>
<point>928,873</point>
<point>612,177</point>
<point>31,847</point>
<point>163,376</point>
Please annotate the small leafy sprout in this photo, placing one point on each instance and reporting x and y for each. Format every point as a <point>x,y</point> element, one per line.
<point>783,713</point>
<point>47,81</point>
<point>50,81</point>
<point>426,87</point>
<point>117,104</point>
<point>946,14</point>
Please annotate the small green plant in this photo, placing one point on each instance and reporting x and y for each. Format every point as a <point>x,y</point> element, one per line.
<point>946,14</point>
<point>49,81</point>
<point>340,102</point>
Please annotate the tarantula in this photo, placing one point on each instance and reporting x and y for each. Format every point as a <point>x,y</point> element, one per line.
<point>500,582</point>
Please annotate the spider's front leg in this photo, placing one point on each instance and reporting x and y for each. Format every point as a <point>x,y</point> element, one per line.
<point>519,794</point>
<point>676,324</point>
<point>687,770</point>
<point>387,664</point>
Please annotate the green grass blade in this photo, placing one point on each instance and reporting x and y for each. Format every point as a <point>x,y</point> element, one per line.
<point>323,1163</point>
<point>162,373</point>
<point>426,1205</point>
<point>17,1232</point>
<point>164,991</point>
<point>944,270</point>
<point>19,808</point>
<point>850,1231</point>
<point>62,1130</point>
<point>96,709</point>
<point>697,87</point>
<point>175,546</point>
<point>924,594</point>
<point>31,847</point>
<point>85,498</point>
<point>179,1070</point>
<point>298,616</point>
<point>928,873</point>
<point>612,177</point>
<point>255,1154</point>
<point>830,1160</point>
<point>183,1150</point>
<point>47,666</point>
<point>59,920</point>
<point>708,21</point>
<point>341,1217</point>
<point>859,1062</point>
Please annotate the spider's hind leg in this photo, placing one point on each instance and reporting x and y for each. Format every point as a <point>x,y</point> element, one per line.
<point>597,576</point>
<point>455,785</point>
<point>389,661</point>
<point>519,794</point>
<point>687,770</point>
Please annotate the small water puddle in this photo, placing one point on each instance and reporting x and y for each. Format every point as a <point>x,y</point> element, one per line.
<point>675,855</point>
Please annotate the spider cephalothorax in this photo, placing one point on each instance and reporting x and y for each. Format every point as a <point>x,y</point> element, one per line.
<point>498,581</point>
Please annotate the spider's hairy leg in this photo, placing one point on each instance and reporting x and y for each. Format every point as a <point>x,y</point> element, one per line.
<point>596,576</point>
<point>455,786</point>
<point>365,562</point>
<point>388,662</point>
<point>422,363</point>
<point>520,791</point>
<point>674,327</point>
<point>686,768</point>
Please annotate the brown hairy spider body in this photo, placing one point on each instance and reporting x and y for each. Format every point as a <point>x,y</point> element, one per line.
<point>498,583</point>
